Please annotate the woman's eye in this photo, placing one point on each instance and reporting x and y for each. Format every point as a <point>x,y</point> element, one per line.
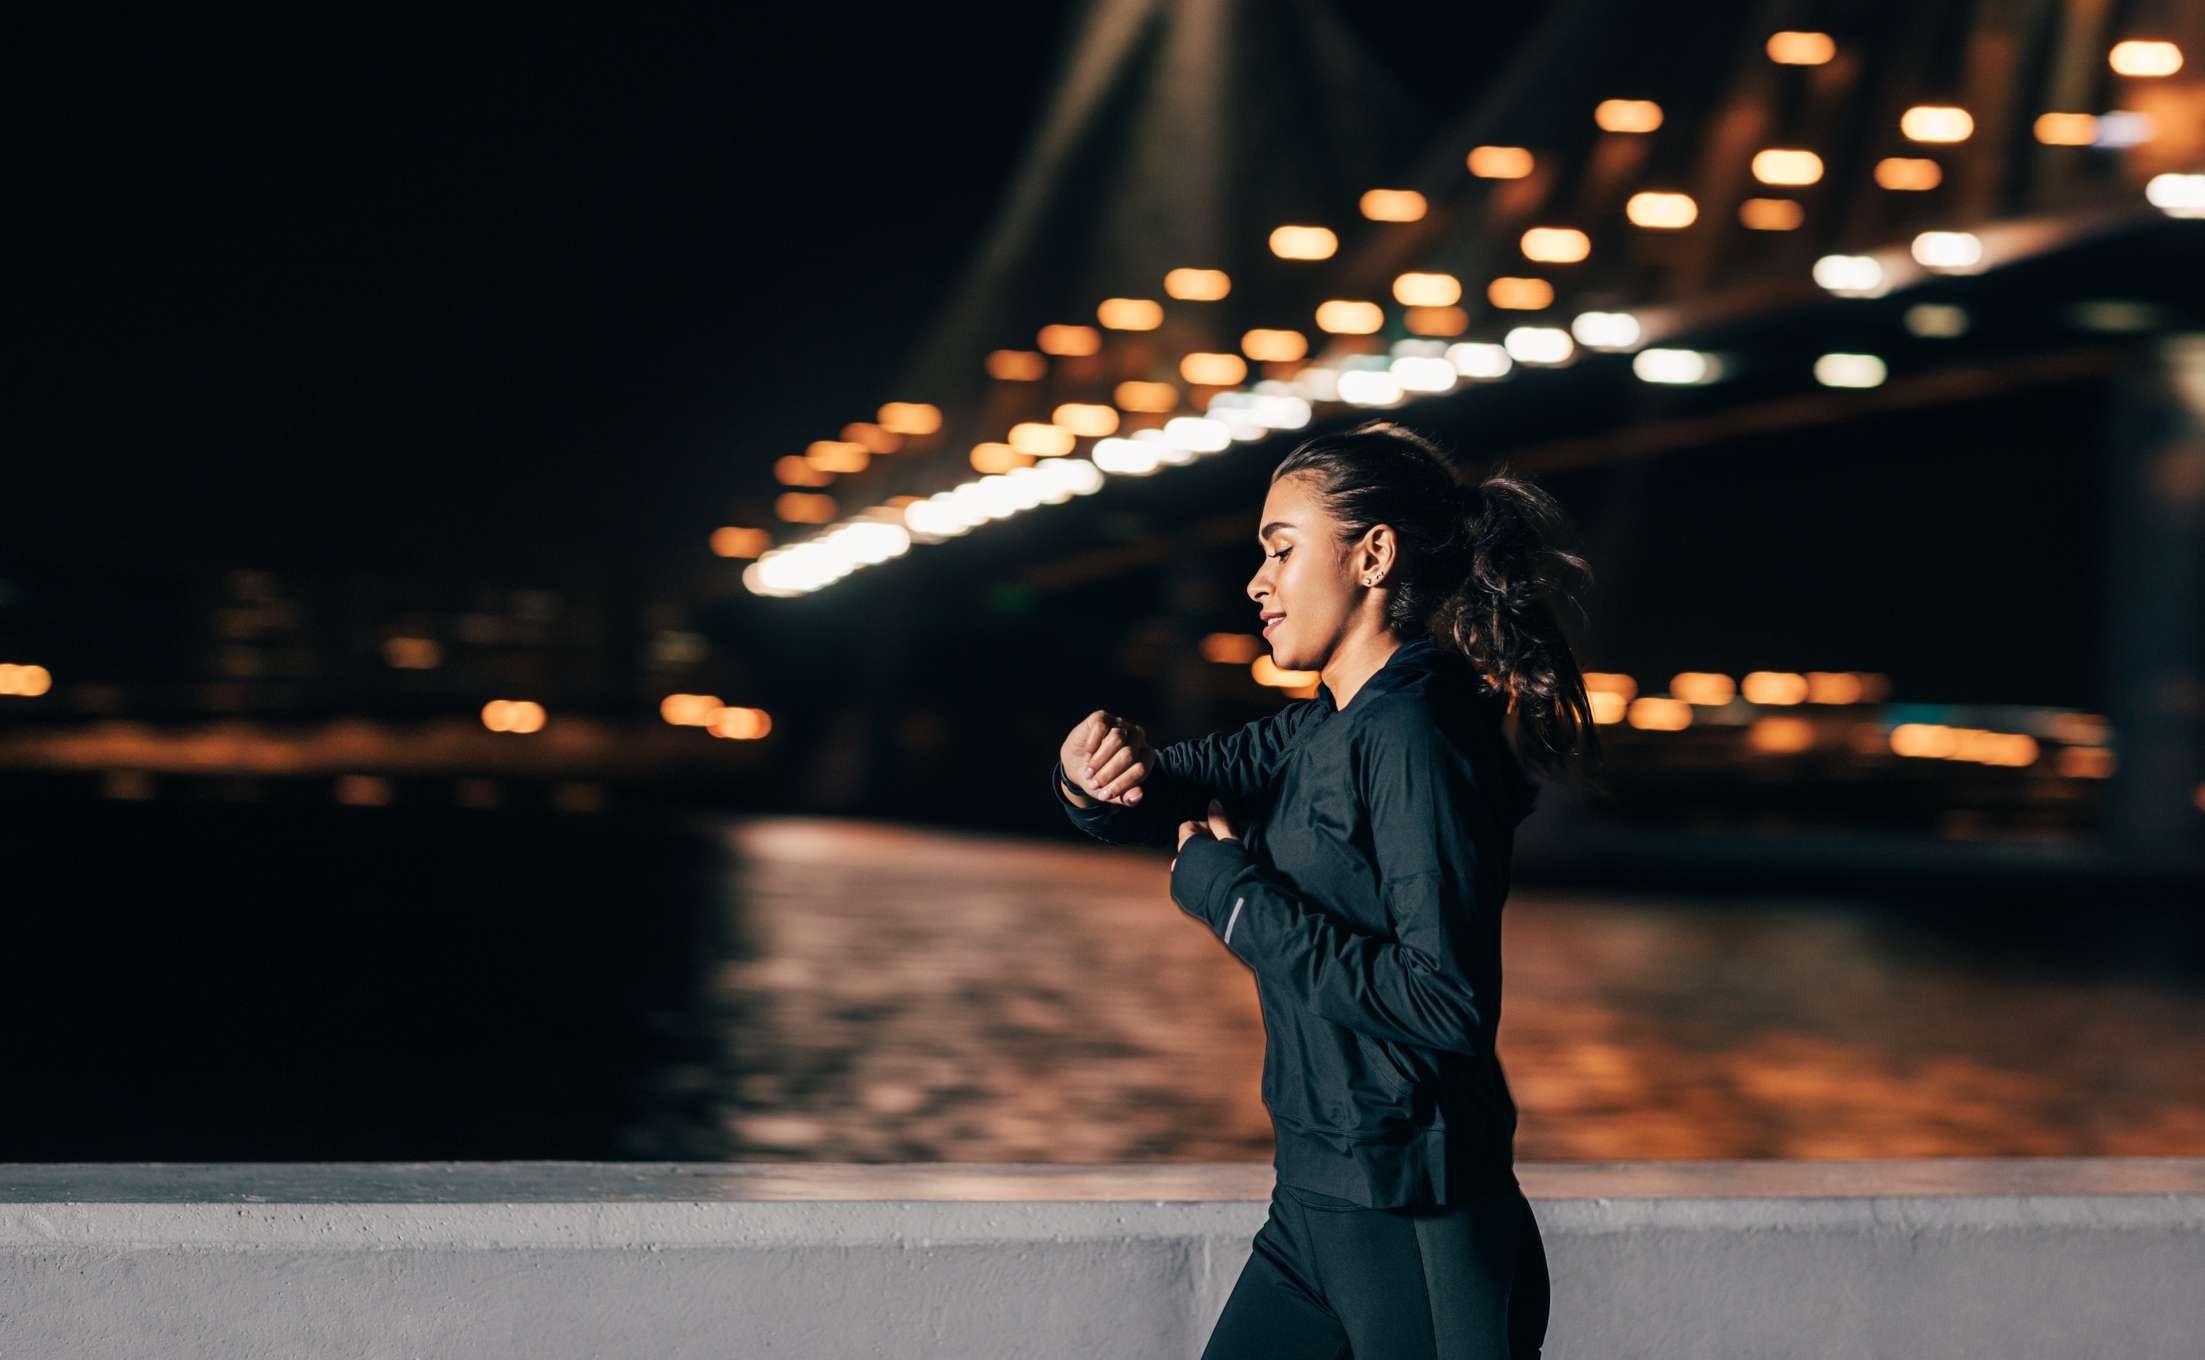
<point>1280,553</point>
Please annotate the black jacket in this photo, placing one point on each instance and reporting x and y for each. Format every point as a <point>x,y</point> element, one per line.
<point>1365,892</point>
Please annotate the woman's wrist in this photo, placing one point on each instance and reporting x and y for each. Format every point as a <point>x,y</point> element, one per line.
<point>1073,795</point>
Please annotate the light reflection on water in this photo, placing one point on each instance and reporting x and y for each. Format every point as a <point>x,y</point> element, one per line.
<point>207,982</point>
<point>915,995</point>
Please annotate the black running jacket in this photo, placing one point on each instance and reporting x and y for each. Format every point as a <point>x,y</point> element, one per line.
<point>1364,891</point>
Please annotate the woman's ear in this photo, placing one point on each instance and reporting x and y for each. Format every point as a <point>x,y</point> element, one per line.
<point>1374,555</point>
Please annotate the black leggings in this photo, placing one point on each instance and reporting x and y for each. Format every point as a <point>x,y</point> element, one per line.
<point>1329,1279</point>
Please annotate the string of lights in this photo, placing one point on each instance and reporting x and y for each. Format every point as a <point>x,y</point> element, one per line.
<point>1151,424</point>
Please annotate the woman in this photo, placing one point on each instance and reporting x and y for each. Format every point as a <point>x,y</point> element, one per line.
<point>1353,849</point>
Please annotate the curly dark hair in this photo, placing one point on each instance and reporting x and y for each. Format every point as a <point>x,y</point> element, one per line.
<point>1479,573</point>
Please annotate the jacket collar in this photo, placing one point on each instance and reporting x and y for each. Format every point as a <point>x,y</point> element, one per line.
<point>1510,787</point>
<point>1409,660</point>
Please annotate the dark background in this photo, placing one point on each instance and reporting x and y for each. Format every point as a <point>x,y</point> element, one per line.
<point>492,287</point>
<point>423,321</point>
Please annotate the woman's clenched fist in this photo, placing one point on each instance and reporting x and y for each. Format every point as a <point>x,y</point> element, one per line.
<point>1106,757</point>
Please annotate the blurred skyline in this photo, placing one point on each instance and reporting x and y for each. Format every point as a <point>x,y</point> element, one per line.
<point>408,373</point>
<point>407,379</point>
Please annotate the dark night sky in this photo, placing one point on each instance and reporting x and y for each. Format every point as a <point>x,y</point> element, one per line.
<point>490,289</point>
<point>390,289</point>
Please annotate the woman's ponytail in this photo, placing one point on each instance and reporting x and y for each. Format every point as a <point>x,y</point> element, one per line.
<point>1501,614</point>
<point>1483,573</point>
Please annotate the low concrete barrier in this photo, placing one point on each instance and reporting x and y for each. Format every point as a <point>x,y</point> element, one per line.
<point>2001,1259</point>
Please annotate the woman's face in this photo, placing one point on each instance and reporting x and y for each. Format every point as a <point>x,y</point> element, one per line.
<point>1306,576</point>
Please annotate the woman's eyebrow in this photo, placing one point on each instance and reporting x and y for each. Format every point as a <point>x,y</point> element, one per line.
<point>1275,525</point>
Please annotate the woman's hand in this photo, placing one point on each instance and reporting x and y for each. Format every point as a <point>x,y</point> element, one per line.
<point>1215,827</point>
<point>1106,757</point>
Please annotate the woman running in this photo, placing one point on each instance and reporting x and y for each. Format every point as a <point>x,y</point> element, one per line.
<point>1353,850</point>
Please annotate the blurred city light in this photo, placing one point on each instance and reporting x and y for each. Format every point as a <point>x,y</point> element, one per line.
<point>739,723</point>
<point>1435,321</point>
<point>1786,166</point>
<point>1370,387</point>
<point>1771,214</point>
<point>1197,285</point>
<point>1664,211</point>
<point>1087,420</point>
<point>1427,290</point>
<point>1341,316</point>
<point>1393,205</point>
<point>1066,341</point>
<point>1792,48</point>
<point>2145,58</point>
<point>1773,687</point>
<point>1130,314</point>
<point>1707,689</point>
<point>1213,370</point>
<point>836,455</point>
<point>1231,649</point>
<point>1538,345</point>
<point>1500,162</point>
<point>1936,123</point>
<point>1135,395</point>
<point>513,715</point>
<point>910,417</point>
<point>1274,346</point>
<point>1195,434</point>
<point>1908,174</point>
<point>1849,370</point>
<point>23,681</point>
<point>2177,195</point>
<point>1041,438</point>
<point>1269,673</point>
<point>689,710</point>
<point>1304,243</point>
<point>731,540</point>
<point>1420,373</point>
<point>1849,275</point>
<point>1655,713</point>
<point>1948,251</point>
<point>1605,330</point>
<point>1479,359</point>
<point>1520,294</point>
<point>1556,245</point>
<point>1678,367</point>
<point>1627,115</point>
<point>2066,129</point>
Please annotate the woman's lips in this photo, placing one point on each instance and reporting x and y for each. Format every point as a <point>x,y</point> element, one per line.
<point>1269,624</point>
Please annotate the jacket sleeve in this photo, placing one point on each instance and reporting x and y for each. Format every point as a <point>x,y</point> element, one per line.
<point>1232,766</point>
<point>1413,987</point>
<point>1153,821</point>
<point>1235,766</point>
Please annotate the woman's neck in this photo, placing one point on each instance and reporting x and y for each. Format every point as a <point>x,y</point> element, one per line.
<point>1356,661</point>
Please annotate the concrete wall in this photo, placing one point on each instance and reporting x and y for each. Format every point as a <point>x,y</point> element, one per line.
<point>1948,1258</point>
